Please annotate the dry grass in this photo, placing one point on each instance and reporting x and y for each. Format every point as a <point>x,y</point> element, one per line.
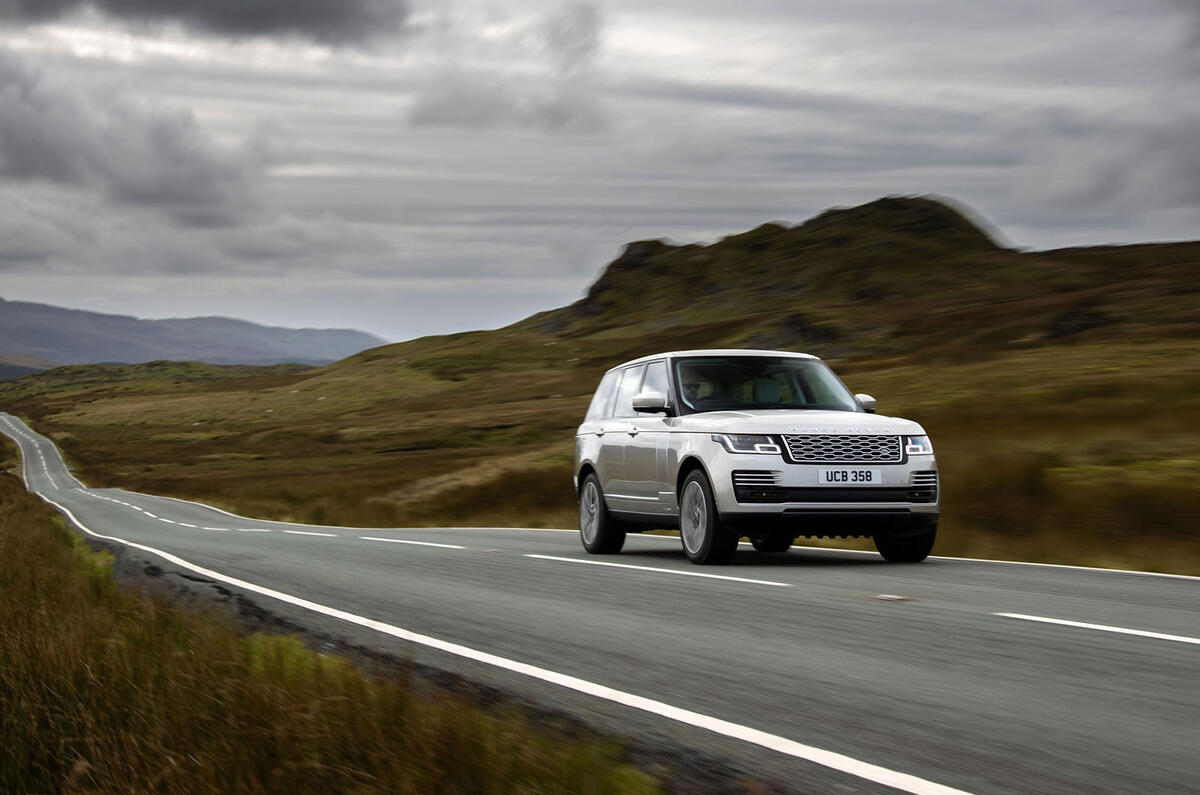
<point>106,691</point>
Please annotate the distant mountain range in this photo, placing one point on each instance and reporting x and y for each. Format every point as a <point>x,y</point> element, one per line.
<point>36,336</point>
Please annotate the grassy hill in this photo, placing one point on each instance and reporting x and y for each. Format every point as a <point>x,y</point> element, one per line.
<point>1062,388</point>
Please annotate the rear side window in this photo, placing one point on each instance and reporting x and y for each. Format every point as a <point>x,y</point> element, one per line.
<point>630,385</point>
<point>603,397</point>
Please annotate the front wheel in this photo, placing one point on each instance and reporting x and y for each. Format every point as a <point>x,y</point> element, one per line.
<point>906,549</point>
<point>599,533</point>
<point>704,540</point>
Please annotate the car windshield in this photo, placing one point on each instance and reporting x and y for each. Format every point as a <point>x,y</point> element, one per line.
<point>724,383</point>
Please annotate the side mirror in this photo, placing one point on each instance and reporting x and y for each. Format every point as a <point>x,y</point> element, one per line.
<point>649,402</point>
<point>866,401</point>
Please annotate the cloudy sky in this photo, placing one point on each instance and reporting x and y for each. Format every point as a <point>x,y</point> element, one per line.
<point>418,166</point>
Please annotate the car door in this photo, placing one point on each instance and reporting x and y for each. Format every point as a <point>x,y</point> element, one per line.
<point>615,436</point>
<point>646,453</point>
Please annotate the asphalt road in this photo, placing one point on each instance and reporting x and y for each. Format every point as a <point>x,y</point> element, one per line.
<point>802,668</point>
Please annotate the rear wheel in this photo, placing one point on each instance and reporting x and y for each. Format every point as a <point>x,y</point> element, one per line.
<point>906,549</point>
<point>601,535</point>
<point>704,540</point>
<point>772,543</point>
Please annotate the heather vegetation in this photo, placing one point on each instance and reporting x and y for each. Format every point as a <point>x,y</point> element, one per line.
<point>105,690</point>
<point>1062,389</point>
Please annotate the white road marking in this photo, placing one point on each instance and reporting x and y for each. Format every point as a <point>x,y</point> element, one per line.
<point>680,572</point>
<point>249,529</point>
<point>835,761</point>
<point>307,533</point>
<point>225,529</point>
<point>414,543</point>
<point>193,526</point>
<point>1103,628</point>
<point>209,507</point>
<point>162,519</point>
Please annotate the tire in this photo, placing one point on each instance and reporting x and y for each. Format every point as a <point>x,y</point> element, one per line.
<point>772,543</point>
<point>704,540</point>
<point>906,549</point>
<point>600,534</point>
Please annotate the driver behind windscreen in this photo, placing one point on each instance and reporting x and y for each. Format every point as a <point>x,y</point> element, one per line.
<point>692,385</point>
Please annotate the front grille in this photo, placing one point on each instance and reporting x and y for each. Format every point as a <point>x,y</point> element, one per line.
<point>844,448</point>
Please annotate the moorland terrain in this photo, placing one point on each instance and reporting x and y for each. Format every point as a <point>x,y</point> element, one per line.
<point>1061,389</point>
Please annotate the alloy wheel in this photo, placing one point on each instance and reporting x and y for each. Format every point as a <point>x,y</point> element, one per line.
<point>589,512</point>
<point>693,517</point>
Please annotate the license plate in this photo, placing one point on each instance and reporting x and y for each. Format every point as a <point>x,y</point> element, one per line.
<point>850,476</point>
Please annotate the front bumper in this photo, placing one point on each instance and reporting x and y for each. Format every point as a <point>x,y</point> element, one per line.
<point>768,492</point>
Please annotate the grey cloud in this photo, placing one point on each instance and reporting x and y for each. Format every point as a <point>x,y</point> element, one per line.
<point>332,21</point>
<point>476,100</point>
<point>1095,171</point>
<point>564,97</point>
<point>323,238</point>
<point>135,154</point>
<point>573,35</point>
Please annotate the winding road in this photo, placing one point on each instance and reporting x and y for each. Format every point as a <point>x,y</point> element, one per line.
<point>817,670</point>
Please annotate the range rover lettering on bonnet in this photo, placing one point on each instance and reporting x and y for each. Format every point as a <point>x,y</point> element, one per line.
<point>723,444</point>
<point>858,429</point>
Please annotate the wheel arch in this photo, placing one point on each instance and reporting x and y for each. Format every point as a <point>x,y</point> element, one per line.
<point>584,471</point>
<point>686,467</point>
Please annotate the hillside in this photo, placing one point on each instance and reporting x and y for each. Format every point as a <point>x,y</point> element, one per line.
<point>1032,371</point>
<point>75,336</point>
<point>896,276</point>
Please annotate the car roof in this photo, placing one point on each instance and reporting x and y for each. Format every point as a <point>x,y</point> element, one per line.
<point>714,352</point>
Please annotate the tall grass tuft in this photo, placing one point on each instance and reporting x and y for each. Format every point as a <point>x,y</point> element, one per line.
<point>105,690</point>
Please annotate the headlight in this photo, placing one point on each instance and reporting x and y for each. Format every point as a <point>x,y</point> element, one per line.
<point>746,443</point>
<point>918,445</point>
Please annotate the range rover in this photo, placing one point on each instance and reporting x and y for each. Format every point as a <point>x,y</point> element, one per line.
<point>769,445</point>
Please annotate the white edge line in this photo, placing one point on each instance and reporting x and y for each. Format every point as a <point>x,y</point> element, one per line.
<point>309,533</point>
<point>669,538</point>
<point>1069,566</point>
<point>1103,628</point>
<point>662,571</point>
<point>829,759</point>
<point>414,543</point>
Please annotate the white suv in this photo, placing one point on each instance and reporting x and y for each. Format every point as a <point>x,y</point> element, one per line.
<point>764,444</point>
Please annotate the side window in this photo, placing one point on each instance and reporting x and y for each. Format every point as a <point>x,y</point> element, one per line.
<point>603,397</point>
<point>656,379</point>
<point>630,386</point>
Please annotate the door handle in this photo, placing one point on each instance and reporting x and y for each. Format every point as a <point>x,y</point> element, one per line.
<point>600,432</point>
<point>633,431</point>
